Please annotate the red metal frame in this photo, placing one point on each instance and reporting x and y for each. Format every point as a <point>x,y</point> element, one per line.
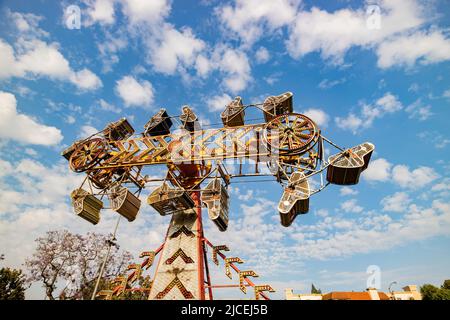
<point>249,282</point>
<point>201,273</point>
<point>203,268</point>
<point>208,278</point>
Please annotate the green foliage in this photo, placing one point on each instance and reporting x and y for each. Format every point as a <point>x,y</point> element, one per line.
<point>12,284</point>
<point>430,292</point>
<point>442,294</point>
<point>446,285</point>
<point>144,282</point>
<point>85,290</point>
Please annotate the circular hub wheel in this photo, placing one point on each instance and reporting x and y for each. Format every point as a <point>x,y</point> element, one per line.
<point>290,134</point>
<point>188,175</point>
<point>88,154</point>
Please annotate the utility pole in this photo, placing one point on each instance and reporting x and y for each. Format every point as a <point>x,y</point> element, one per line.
<point>102,269</point>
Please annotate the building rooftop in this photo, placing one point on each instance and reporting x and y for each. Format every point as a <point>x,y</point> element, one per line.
<point>410,292</point>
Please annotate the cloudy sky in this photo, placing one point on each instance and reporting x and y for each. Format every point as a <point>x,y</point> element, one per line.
<point>360,77</point>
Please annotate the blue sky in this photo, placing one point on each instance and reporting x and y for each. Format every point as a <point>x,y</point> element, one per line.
<point>388,85</point>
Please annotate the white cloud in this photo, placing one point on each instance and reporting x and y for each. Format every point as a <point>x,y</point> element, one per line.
<point>398,42</point>
<point>389,103</point>
<point>322,213</point>
<point>332,236</point>
<point>446,94</point>
<point>39,201</point>
<point>423,47</point>
<point>250,18</point>
<point>87,131</point>
<point>369,112</point>
<point>135,93</point>
<point>378,170</point>
<point>414,87</point>
<point>271,79</point>
<point>37,58</point>
<point>255,244</point>
<point>438,140</point>
<point>38,186</point>
<point>109,47</point>
<point>108,107</point>
<point>24,91</point>
<point>31,152</point>
<point>150,12</point>
<point>202,65</point>
<point>414,179</point>
<point>101,11</point>
<point>418,110</point>
<point>351,206</point>
<point>318,116</point>
<point>7,62</point>
<point>146,20</point>
<point>33,57</point>
<point>85,79</point>
<point>377,232</point>
<point>41,58</point>
<point>347,191</point>
<point>334,33</point>
<point>27,24</point>
<point>234,63</point>
<point>443,188</point>
<point>398,202</point>
<point>70,119</point>
<point>352,122</point>
<point>5,167</point>
<point>262,55</point>
<point>218,103</point>
<point>327,84</point>
<point>249,195</point>
<point>175,50</point>
<point>21,127</point>
<point>330,33</point>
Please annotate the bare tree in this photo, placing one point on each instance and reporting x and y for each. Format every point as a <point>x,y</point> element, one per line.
<point>92,253</point>
<point>73,261</point>
<point>54,254</point>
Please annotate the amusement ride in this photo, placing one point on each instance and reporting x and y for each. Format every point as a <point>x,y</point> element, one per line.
<point>201,164</point>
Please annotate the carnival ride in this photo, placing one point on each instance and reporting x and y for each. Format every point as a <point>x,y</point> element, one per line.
<point>201,163</point>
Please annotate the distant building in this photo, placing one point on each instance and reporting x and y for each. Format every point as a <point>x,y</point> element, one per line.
<point>369,294</point>
<point>290,295</point>
<point>410,293</point>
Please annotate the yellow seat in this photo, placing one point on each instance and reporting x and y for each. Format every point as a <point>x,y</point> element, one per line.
<point>233,115</point>
<point>168,200</point>
<point>118,130</point>
<point>345,167</point>
<point>159,124</point>
<point>295,199</point>
<point>86,205</point>
<point>189,119</point>
<point>275,105</point>
<point>124,202</point>
<point>216,198</point>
